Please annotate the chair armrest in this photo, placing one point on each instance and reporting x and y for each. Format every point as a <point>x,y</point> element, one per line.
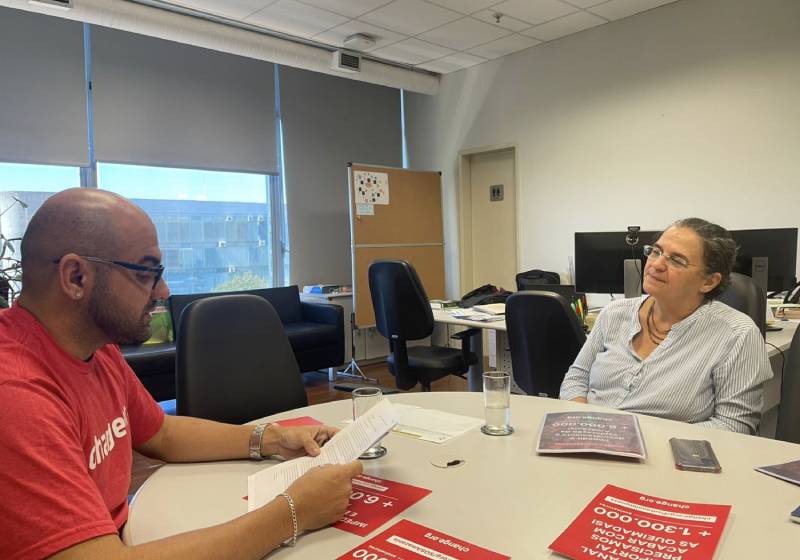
<point>325,313</point>
<point>466,345</point>
<point>462,335</point>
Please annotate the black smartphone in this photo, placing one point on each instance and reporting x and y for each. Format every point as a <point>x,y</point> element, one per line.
<point>694,455</point>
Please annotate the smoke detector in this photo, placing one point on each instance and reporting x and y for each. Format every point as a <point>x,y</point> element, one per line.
<point>359,42</point>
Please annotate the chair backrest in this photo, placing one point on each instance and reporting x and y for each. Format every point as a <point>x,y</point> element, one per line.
<point>536,277</point>
<point>401,305</point>
<point>789,412</point>
<point>746,296</point>
<point>234,362</point>
<point>544,336</point>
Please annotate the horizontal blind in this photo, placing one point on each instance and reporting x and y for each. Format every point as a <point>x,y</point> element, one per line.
<point>42,90</point>
<point>162,103</point>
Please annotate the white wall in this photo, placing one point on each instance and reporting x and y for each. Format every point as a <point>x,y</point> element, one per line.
<point>689,109</point>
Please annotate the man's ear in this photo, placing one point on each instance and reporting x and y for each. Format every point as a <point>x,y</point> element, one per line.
<point>73,276</point>
<point>712,281</point>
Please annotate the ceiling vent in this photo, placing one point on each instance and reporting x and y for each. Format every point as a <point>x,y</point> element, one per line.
<point>346,61</point>
<point>55,4</point>
<point>359,42</point>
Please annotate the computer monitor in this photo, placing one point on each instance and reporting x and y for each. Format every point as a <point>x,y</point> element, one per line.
<point>780,248</point>
<point>599,258</point>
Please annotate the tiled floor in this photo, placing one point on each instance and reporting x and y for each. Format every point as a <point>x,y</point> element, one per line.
<point>319,390</point>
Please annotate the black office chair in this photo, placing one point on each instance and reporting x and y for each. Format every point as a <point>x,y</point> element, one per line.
<point>746,296</point>
<point>536,277</point>
<point>403,313</point>
<point>234,362</point>
<point>789,413</point>
<point>545,336</point>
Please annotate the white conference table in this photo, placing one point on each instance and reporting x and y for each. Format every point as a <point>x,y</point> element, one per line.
<point>505,497</point>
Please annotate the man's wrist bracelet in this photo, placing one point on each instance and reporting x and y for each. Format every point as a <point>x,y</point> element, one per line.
<point>256,437</point>
<point>290,501</point>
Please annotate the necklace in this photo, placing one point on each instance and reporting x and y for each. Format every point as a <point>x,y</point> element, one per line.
<point>656,335</point>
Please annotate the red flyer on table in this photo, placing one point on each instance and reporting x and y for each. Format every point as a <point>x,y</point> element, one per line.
<point>299,421</point>
<point>620,524</point>
<point>375,501</point>
<point>406,540</point>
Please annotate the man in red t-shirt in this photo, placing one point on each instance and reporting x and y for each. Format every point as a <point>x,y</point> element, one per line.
<point>71,410</point>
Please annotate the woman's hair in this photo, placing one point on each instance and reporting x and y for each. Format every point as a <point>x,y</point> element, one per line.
<point>719,250</point>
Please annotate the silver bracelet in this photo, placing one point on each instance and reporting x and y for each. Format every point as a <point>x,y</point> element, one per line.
<point>290,501</point>
<point>256,437</point>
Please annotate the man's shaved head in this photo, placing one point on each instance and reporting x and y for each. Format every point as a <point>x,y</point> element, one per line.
<point>83,221</point>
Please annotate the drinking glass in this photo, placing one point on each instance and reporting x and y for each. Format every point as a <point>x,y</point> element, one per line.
<point>496,401</point>
<point>365,398</point>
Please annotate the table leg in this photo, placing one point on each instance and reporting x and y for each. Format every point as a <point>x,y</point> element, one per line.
<point>475,374</point>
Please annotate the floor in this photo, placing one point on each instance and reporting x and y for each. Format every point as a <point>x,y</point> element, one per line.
<point>319,390</point>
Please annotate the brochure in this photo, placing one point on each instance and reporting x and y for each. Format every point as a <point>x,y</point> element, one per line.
<point>619,524</point>
<point>591,432</point>
<point>790,472</point>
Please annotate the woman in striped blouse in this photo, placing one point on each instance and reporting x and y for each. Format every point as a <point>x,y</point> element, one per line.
<point>677,352</point>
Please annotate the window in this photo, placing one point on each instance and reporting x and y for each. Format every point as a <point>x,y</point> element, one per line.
<point>207,223</point>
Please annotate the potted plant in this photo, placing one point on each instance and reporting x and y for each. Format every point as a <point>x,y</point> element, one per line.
<point>10,266</point>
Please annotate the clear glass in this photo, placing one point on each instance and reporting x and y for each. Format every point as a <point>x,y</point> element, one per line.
<point>214,227</point>
<point>496,401</point>
<point>365,398</point>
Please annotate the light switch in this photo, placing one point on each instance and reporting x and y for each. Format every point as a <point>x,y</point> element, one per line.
<point>495,193</point>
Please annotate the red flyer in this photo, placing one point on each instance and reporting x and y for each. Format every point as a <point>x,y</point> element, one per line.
<point>406,540</point>
<point>299,421</point>
<point>620,524</point>
<point>375,501</point>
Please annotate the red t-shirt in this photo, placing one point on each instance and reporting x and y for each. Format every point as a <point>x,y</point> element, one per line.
<point>66,432</point>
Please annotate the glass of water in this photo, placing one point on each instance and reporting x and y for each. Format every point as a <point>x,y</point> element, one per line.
<point>365,398</point>
<point>496,401</point>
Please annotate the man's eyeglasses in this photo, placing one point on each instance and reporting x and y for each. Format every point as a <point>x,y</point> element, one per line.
<point>675,261</point>
<point>156,271</point>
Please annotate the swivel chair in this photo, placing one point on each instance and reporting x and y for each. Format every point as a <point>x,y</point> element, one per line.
<point>746,296</point>
<point>544,336</point>
<point>403,313</point>
<point>789,413</point>
<point>234,362</point>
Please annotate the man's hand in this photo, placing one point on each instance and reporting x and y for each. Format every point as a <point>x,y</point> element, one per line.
<point>321,496</point>
<point>296,441</point>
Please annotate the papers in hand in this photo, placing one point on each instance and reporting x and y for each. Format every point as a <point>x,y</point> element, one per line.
<point>344,447</point>
<point>591,432</point>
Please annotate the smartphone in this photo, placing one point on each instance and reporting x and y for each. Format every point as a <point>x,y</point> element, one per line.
<point>694,455</point>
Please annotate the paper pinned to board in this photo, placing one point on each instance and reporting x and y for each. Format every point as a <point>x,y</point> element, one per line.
<point>365,209</point>
<point>344,447</point>
<point>370,187</point>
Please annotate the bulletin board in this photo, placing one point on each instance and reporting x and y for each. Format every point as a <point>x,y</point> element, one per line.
<point>394,214</point>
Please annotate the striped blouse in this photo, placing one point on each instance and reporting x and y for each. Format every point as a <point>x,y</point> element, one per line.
<point>709,370</point>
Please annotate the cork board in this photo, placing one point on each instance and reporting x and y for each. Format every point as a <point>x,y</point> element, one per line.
<point>408,227</point>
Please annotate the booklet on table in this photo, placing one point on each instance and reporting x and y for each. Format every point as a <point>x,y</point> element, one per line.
<point>591,432</point>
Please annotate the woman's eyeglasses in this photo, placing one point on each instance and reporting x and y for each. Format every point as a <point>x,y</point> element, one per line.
<point>674,261</point>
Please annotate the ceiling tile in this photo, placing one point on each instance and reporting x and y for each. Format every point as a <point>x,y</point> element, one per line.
<point>349,8</point>
<point>289,16</point>
<point>616,9</point>
<point>534,11</point>
<point>337,35</point>
<point>234,9</point>
<point>504,46</point>
<point>411,17</point>
<point>464,34</point>
<point>584,3</point>
<point>412,51</point>
<point>465,6</point>
<point>452,63</point>
<point>506,22</point>
<point>564,26</point>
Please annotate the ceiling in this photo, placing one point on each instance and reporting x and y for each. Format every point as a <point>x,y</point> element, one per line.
<point>436,35</point>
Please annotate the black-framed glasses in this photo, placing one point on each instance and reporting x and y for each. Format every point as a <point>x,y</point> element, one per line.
<point>156,271</point>
<point>675,261</point>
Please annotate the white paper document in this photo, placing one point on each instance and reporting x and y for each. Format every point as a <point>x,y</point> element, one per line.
<point>433,425</point>
<point>344,447</point>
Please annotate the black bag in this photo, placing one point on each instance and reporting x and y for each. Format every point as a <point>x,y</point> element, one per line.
<point>536,277</point>
<point>484,295</point>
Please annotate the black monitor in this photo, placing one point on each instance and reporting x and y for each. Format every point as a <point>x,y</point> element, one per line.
<point>599,258</point>
<point>780,248</point>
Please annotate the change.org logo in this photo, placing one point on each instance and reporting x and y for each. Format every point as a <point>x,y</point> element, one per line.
<point>104,443</point>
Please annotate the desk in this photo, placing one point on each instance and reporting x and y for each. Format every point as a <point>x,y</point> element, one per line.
<point>505,497</point>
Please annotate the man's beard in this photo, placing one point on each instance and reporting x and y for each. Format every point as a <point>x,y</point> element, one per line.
<point>110,320</point>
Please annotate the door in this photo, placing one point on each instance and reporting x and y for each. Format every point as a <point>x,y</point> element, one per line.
<point>493,219</point>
